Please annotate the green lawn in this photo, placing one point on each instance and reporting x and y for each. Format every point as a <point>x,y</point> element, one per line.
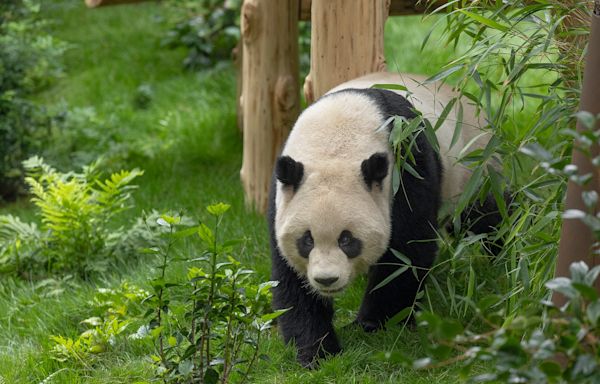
<point>190,148</point>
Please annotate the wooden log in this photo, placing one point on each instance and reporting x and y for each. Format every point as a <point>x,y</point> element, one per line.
<point>271,94</point>
<point>305,9</point>
<point>413,7</point>
<point>397,7</point>
<point>346,42</point>
<point>577,239</point>
<point>100,3</point>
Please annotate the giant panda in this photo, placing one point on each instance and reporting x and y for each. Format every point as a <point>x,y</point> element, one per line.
<point>332,213</point>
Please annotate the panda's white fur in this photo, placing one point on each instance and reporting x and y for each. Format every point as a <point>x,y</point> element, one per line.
<point>430,100</point>
<point>331,139</point>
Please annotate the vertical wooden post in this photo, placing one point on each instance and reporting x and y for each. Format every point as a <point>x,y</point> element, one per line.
<point>576,238</point>
<point>346,42</point>
<point>271,95</point>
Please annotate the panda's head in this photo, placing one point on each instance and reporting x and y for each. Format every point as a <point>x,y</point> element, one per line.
<point>333,217</point>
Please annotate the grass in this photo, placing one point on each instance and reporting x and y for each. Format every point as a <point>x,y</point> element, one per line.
<point>189,146</point>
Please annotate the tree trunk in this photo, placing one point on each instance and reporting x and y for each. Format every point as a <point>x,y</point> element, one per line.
<point>346,42</point>
<point>271,101</point>
<point>577,239</point>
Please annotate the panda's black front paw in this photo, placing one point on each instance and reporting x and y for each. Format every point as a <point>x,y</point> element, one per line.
<point>369,325</point>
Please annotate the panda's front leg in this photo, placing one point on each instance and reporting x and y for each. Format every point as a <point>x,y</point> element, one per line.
<point>380,304</point>
<point>309,322</point>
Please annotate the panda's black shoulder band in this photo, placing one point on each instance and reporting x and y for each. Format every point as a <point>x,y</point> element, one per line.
<point>289,171</point>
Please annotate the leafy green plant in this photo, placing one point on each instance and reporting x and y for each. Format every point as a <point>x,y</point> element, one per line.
<point>517,67</point>
<point>29,61</point>
<point>76,212</point>
<point>116,310</point>
<point>208,327</point>
<point>544,343</point>
<point>209,29</point>
<point>519,75</point>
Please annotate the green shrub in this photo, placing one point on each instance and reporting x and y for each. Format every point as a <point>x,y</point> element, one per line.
<point>209,29</point>
<point>206,321</point>
<point>544,343</point>
<point>116,309</point>
<point>207,327</point>
<point>76,210</point>
<point>29,61</point>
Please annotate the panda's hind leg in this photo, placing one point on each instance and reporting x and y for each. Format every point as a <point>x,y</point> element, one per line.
<point>485,217</point>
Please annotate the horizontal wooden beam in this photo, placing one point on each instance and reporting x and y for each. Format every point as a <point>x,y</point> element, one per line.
<point>412,7</point>
<point>100,3</point>
<point>397,7</point>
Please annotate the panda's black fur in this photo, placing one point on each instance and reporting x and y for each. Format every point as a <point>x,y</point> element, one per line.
<point>308,323</point>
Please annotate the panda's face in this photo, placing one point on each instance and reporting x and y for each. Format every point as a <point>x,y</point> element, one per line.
<point>333,222</point>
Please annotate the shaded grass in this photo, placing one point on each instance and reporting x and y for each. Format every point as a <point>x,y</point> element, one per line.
<point>188,144</point>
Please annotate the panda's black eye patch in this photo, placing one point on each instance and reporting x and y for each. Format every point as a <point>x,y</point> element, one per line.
<point>305,244</point>
<point>349,244</point>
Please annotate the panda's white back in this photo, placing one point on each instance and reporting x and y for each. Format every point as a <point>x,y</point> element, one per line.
<point>431,100</point>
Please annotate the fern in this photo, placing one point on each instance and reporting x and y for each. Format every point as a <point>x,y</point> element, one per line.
<point>76,211</point>
<point>16,238</point>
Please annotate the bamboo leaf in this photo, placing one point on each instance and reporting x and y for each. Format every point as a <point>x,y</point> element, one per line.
<point>391,277</point>
<point>485,21</point>
<point>395,87</point>
<point>442,75</point>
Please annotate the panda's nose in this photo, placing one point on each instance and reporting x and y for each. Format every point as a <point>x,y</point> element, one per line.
<point>326,281</point>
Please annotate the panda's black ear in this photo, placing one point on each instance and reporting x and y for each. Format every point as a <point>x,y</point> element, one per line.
<point>375,169</point>
<point>289,171</point>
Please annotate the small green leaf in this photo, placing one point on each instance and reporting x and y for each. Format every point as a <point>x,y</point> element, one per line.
<point>185,233</point>
<point>218,209</point>
<point>562,285</point>
<point>206,234</point>
<point>401,257</point>
<point>524,272</point>
<point>273,315</point>
<point>444,115</point>
<point>488,301</point>
<point>443,74</point>
<point>185,367</point>
<point>593,312</point>
<point>391,277</point>
<point>485,21</point>
<point>211,376</point>
<point>400,316</point>
<point>172,220</point>
<point>551,368</point>
<point>588,292</point>
<point>587,119</point>
<point>409,168</point>
<point>396,87</point>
